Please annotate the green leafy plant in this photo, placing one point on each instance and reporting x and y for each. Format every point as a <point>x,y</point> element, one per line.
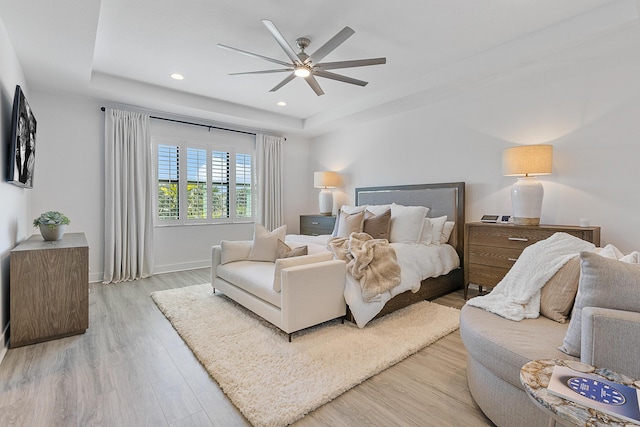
<point>51,219</point>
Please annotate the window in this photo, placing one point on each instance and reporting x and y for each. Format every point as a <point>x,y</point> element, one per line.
<point>201,183</point>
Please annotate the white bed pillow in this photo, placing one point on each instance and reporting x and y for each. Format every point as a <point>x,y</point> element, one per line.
<point>426,235</point>
<point>446,231</point>
<point>433,230</point>
<point>438,228</point>
<point>348,209</point>
<point>265,242</point>
<point>406,223</point>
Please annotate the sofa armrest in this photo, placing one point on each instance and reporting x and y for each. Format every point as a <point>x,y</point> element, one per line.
<point>312,294</point>
<point>216,252</point>
<point>610,340</point>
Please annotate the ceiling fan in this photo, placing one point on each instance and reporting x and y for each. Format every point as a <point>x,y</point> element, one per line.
<point>309,66</point>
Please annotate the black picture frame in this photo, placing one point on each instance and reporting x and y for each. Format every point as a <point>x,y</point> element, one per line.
<point>22,145</point>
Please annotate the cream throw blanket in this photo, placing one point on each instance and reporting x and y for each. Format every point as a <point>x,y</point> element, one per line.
<point>372,262</point>
<point>517,295</point>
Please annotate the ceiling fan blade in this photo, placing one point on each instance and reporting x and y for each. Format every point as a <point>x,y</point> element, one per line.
<point>314,85</point>
<point>281,41</point>
<point>340,78</point>
<point>350,64</point>
<point>262,72</point>
<point>253,55</point>
<point>283,82</point>
<point>329,46</point>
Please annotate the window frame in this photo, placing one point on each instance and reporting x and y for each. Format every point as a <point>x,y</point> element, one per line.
<point>183,145</point>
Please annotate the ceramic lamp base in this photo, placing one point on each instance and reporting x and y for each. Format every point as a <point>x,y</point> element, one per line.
<point>526,201</point>
<point>326,202</point>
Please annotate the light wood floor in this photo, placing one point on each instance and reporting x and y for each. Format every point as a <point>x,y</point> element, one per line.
<point>132,369</point>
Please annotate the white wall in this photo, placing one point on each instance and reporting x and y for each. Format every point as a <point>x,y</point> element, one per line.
<point>14,201</point>
<point>584,100</point>
<point>69,177</point>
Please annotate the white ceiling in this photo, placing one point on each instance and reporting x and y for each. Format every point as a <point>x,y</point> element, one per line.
<point>124,51</point>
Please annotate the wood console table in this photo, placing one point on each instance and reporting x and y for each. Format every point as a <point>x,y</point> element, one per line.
<point>49,289</point>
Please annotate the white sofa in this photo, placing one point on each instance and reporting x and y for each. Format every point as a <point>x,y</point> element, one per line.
<point>608,304</point>
<point>291,293</point>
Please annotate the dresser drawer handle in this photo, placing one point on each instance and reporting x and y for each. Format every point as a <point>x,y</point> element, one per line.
<point>518,239</point>
<point>315,223</point>
<point>512,259</point>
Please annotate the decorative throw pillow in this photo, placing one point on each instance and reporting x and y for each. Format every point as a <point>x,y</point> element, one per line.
<point>350,223</point>
<point>285,251</point>
<point>378,209</point>
<point>604,283</point>
<point>446,231</point>
<point>265,242</point>
<point>406,223</point>
<point>559,293</point>
<point>377,226</point>
<point>234,251</point>
<point>349,210</point>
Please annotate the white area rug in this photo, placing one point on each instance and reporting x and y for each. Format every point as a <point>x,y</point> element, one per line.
<point>274,382</point>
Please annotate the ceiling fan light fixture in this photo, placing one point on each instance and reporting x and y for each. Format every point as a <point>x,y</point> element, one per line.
<point>302,71</point>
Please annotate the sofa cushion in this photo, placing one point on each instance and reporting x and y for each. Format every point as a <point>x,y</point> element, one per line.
<point>604,283</point>
<point>504,346</point>
<point>254,277</point>
<point>292,262</point>
<point>559,293</point>
<point>285,251</point>
<point>265,242</point>
<point>231,251</point>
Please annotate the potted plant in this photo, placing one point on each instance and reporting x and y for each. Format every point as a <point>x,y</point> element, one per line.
<point>52,224</point>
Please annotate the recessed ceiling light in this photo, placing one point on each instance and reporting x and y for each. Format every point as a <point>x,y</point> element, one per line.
<point>177,76</point>
<point>282,103</point>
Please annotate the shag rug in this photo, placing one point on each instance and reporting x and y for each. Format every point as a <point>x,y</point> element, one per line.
<point>274,382</point>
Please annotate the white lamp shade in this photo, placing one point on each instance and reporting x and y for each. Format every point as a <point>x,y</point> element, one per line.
<point>325,179</point>
<point>527,160</point>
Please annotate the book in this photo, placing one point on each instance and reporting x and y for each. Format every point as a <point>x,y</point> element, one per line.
<point>612,398</point>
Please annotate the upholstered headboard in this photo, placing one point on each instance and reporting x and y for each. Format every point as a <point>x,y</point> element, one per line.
<point>441,199</point>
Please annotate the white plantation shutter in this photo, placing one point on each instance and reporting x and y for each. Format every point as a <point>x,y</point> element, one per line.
<point>244,179</point>
<point>196,183</point>
<point>168,206</point>
<point>220,184</point>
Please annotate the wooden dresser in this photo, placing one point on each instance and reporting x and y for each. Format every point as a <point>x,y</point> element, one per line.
<point>49,289</point>
<point>491,249</point>
<point>315,225</point>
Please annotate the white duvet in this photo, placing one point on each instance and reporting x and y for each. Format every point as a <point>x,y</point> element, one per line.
<point>417,262</point>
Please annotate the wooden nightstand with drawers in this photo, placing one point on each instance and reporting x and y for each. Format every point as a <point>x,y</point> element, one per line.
<point>491,249</point>
<point>315,225</point>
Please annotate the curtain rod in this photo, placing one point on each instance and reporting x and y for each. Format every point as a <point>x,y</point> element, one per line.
<point>199,124</point>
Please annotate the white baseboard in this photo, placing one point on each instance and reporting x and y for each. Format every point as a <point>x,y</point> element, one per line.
<point>192,265</point>
<point>159,269</point>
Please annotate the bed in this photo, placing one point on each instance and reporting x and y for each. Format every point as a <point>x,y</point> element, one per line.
<point>441,199</point>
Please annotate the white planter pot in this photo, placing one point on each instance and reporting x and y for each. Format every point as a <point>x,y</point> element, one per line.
<point>52,234</point>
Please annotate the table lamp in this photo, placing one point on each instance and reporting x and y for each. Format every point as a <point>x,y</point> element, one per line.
<point>526,162</point>
<point>325,180</point>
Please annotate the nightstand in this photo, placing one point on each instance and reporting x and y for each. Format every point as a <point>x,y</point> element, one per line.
<point>315,225</point>
<point>491,249</point>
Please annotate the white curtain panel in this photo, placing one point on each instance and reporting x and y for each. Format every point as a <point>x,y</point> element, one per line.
<point>269,180</point>
<point>128,197</point>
